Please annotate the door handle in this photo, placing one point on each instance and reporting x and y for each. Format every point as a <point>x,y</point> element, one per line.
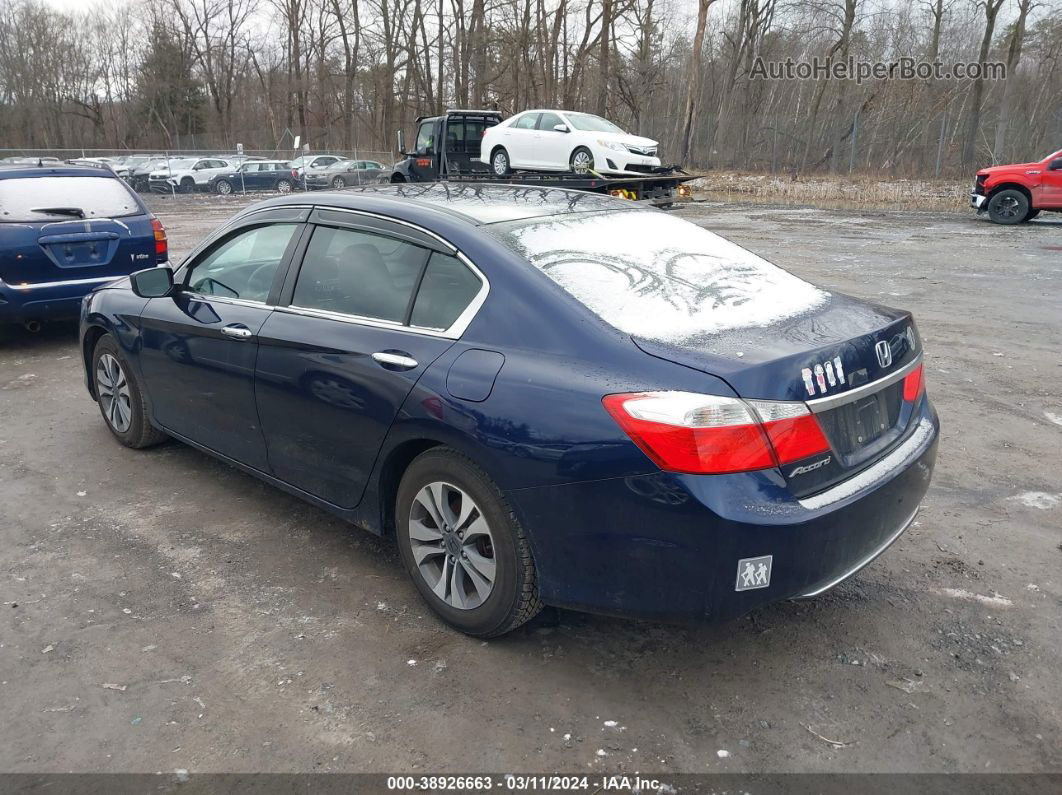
<point>403,361</point>
<point>237,333</point>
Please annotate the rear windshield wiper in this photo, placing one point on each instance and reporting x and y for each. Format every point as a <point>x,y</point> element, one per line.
<point>76,212</point>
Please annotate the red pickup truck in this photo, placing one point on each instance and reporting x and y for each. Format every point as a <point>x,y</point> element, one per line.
<point>1017,193</point>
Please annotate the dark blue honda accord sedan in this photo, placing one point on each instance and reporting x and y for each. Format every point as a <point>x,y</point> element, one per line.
<point>548,397</point>
<point>65,230</point>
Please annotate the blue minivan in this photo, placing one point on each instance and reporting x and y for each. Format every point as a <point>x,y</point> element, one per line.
<point>65,230</point>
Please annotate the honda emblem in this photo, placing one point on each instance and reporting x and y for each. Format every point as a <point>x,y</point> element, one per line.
<point>884,352</point>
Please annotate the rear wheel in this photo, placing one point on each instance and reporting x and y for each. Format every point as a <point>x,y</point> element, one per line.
<point>223,187</point>
<point>120,398</point>
<point>499,162</point>
<point>284,185</point>
<point>1008,207</point>
<point>463,547</point>
<point>582,160</point>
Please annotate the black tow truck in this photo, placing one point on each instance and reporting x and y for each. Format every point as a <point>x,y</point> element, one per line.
<point>458,161</point>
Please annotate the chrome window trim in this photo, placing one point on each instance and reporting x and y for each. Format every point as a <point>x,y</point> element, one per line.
<point>66,283</point>
<point>222,299</point>
<point>833,401</point>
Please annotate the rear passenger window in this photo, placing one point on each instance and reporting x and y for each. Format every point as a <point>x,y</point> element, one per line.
<point>358,273</point>
<point>448,288</point>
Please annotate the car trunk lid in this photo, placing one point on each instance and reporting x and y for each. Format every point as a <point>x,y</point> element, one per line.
<point>846,360</point>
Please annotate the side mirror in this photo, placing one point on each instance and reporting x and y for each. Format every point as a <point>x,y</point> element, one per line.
<point>401,141</point>
<point>153,282</point>
<point>560,127</point>
<point>1055,165</point>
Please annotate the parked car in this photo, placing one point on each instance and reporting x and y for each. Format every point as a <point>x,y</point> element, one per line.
<point>561,140</point>
<point>64,230</point>
<point>254,175</point>
<point>187,175</point>
<point>344,173</point>
<point>140,168</point>
<point>690,431</point>
<point>1018,193</point>
<point>311,165</point>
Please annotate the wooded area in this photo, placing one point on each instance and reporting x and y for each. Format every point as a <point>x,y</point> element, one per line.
<point>186,74</point>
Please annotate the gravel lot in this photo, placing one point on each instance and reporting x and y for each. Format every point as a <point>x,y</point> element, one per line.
<point>163,611</point>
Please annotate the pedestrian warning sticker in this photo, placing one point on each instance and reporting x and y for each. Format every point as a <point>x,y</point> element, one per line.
<point>753,573</point>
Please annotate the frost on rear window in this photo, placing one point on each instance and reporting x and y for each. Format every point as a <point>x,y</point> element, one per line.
<point>30,198</point>
<point>656,276</point>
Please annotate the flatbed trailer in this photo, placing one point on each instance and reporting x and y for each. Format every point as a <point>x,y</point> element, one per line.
<point>458,161</point>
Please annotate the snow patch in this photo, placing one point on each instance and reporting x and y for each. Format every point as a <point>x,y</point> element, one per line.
<point>1038,499</point>
<point>1055,418</point>
<point>995,600</point>
<point>659,277</point>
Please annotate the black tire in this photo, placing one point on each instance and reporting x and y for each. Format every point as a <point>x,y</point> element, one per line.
<point>1008,206</point>
<point>187,185</point>
<point>339,183</point>
<point>499,162</point>
<point>580,153</point>
<point>1031,214</point>
<point>513,598</point>
<point>223,187</point>
<point>285,185</point>
<point>140,432</point>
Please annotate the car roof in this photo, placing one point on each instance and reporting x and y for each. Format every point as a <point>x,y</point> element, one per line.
<point>21,170</point>
<point>482,203</point>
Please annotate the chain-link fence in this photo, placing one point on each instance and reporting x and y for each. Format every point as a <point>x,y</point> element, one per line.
<point>237,170</point>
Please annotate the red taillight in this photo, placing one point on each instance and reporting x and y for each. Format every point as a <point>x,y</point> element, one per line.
<point>294,173</point>
<point>793,430</point>
<point>706,434</point>
<point>914,384</point>
<point>162,246</point>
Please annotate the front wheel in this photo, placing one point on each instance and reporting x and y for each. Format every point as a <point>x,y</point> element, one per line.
<point>187,185</point>
<point>223,187</point>
<point>463,546</point>
<point>120,397</point>
<point>339,183</point>
<point>582,160</point>
<point>499,162</point>
<point>1008,207</point>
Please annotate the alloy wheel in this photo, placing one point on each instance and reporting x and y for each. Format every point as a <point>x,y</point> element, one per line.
<point>452,545</point>
<point>113,389</point>
<point>1008,207</point>
<point>501,164</point>
<point>284,186</point>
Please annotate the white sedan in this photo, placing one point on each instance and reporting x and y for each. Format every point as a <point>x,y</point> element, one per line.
<point>561,140</point>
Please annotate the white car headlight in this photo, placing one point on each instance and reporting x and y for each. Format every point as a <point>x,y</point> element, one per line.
<point>614,145</point>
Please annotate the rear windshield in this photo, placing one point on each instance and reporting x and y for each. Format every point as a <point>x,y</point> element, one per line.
<point>27,198</point>
<point>656,276</point>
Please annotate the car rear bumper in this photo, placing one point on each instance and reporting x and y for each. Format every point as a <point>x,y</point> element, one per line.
<point>668,546</point>
<point>977,201</point>
<point>46,300</point>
